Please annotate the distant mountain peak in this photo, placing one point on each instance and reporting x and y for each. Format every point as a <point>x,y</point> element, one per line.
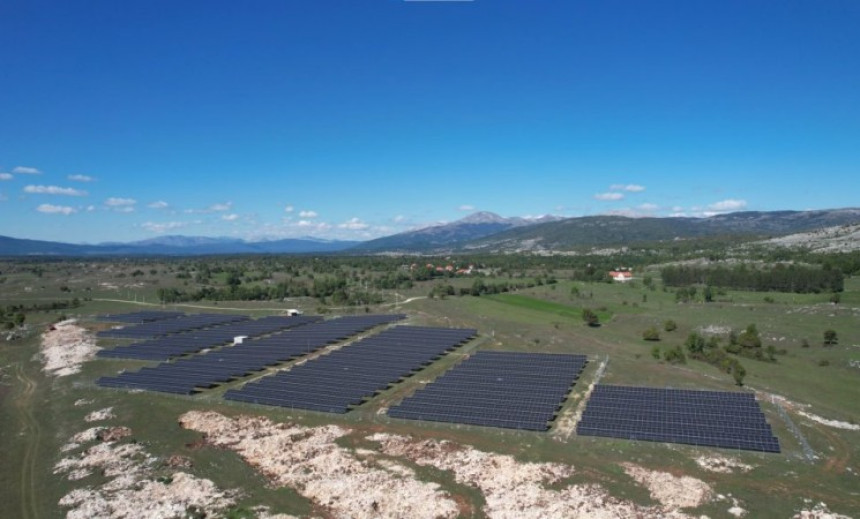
<point>483,217</point>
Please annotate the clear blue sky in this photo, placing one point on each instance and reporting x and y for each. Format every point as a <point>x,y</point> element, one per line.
<point>354,119</point>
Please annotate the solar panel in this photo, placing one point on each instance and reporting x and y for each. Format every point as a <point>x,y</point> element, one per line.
<point>497,389</point>
<point>187,375</point>
<point>145,316</point>
<point>726,419</point>
<point>148,330</point>
<point>347,377</point>
<point>174,345</point>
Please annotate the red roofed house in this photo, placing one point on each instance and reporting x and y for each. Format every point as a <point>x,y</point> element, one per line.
<point>621,275</point>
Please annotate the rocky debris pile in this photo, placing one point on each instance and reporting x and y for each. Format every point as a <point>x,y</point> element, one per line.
<point>65,346</point>
<point>100,415</point>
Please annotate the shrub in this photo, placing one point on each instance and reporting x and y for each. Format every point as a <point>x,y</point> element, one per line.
<point>670,326</point>
<point>651,334</point>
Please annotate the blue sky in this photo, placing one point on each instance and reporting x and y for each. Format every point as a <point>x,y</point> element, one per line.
<point>354,119</point>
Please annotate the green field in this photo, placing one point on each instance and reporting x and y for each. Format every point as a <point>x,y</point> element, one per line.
<point>38,415</point>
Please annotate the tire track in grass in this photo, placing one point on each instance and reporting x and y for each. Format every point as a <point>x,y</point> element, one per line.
<point>32,432</point>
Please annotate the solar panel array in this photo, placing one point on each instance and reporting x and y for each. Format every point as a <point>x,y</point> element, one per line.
<point>145,316</point>
<point>174,345</point>
<point>149,330</point>
<point>207,370</point>
<point>732,420</point>
<point>346,377</point>
<point>497,389</point>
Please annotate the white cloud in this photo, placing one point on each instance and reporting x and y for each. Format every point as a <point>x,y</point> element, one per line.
<point>608,196</point>
<point>230,217</point>
<point>91,208</point>
<point>399,218</point>
<point>648,207</point>
<point>24,170</point>
<point>466,207</point>
<point>728,205</point>
<point>308,214</point>
<point>289,209</point>
<point>56,209</point>
<point>353,224</point>
<point>221,207</point>
<point>677,209</point>
<point>632,188</point>
<point>120,202</point>
<point>6,176</point>
<point>161,204</point>
<point>54,190</point>
<point>160,227</point>
<point>81,178</point>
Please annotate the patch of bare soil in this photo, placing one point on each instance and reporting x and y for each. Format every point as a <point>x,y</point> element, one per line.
<point>514,489</point>
<point>133,491</point>
<point>308,460</point>
<point>722,464</point>
<point>671,491</point>
<point>836,424</point>
<point>65,346</point>
<point>818,511</point>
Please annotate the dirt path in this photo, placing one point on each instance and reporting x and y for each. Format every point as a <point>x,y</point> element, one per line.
<point>32,432</point>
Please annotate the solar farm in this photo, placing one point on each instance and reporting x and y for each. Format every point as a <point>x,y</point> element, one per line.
<point>507,390</point>
<point>497,389</point>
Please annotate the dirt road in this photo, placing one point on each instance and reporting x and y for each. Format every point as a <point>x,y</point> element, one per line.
<point>31,437</point>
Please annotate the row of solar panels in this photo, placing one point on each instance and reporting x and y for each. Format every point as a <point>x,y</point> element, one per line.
<point>145,316</point>
<point>710,418</point>
<point>177,344</point>
<point>497,389</point>
<point>346,377</point>
<point>187,375</point>
<point>164,327</point>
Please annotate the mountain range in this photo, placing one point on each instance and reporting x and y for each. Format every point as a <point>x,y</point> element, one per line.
<point>480,232</point>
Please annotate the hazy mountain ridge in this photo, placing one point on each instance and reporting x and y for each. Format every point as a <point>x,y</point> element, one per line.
<point>172,245</point>
<point>451,235</point>
<point>480,232</point>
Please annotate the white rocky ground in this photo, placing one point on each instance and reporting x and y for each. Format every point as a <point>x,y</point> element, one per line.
<point>722,464</point>
<point>843,238</point>
<point>100,415</point>
<point>671,491</point>
<point>308,460</point>
<point>830,423</point>
<point>132,491</point>
<point>514,489</point>
<point>65,347</point>
<point>818,511</point>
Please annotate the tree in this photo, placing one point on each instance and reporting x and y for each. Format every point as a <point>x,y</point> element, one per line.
<point>651,334</point>
<point>590,317</point>
<point>709,294</point>
<point>738,373</point>
<point>749,338</point>
<point>830,338</point>
<point>695,343</point>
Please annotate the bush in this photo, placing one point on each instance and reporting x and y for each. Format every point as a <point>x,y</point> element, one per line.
<point>670,326</point>
<point>830,338</point>
<point>655,352</point>
<point>590,317</point>
<point>651,334</point>
<point>675,356</point>
<point>823,362</point>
